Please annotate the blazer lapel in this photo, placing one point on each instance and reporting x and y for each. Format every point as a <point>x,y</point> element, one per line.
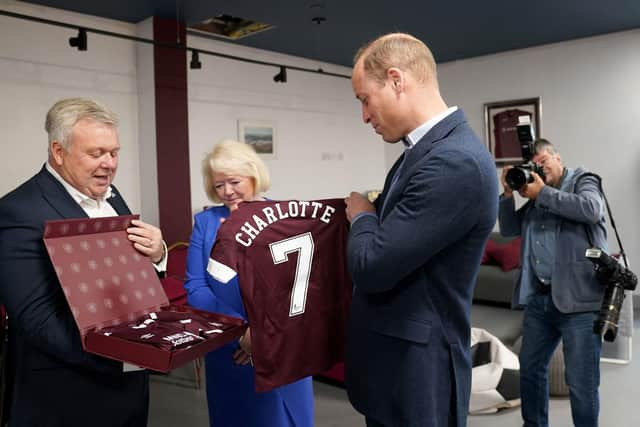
<point>439,132</point>
<point>387,184</point>
<point>118,202</point>
<point>57,196</point>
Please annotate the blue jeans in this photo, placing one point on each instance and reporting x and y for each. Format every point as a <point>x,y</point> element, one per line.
<point>543,327</point>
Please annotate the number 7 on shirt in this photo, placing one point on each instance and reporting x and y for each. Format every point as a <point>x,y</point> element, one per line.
<point>303,244</point>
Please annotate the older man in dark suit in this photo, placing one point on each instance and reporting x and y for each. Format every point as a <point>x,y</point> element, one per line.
<point>414,254</point>
<point>54,382</point>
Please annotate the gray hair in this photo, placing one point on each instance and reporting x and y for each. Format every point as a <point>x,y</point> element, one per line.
<point>67,112</point>
<point>234,158</point>
<point>542,144</point>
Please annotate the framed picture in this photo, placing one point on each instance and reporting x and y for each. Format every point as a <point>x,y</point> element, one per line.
<point>261,135</point>
<point>500,120</point>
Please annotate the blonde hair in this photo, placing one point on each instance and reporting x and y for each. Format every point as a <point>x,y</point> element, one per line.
<point>397,50</point>
<point>234,158</point>
<point>64,114</point>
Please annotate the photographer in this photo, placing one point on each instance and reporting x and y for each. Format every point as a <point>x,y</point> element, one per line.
<point>557,284</point>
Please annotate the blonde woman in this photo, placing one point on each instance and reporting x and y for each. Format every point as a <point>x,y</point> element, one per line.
<point>234,173</point>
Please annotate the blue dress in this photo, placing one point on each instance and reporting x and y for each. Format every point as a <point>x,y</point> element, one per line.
<point>231,393</point>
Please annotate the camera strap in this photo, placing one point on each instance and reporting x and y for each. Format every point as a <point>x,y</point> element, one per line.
<point>613,223</point>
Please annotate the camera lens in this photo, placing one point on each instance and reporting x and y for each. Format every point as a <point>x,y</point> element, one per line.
<point>516,178</point>
<point>606,324</point>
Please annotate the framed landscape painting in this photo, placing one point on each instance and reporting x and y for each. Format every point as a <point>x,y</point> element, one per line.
<point>261,135</point>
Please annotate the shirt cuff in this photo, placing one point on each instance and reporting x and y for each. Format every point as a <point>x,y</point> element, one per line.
<point>161,266</point>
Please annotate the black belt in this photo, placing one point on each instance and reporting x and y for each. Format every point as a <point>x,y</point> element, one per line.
<point>542,288</point>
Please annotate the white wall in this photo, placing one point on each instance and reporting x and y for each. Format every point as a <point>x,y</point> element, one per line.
<point>315,117</point>
<point>590,95</point>
<point>37,68</point>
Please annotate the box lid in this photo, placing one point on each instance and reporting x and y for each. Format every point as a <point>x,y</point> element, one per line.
<point>105,279</point>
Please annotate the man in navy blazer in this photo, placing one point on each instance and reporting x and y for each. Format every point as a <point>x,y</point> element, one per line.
<point>414,254</point>
<point>54,382</point>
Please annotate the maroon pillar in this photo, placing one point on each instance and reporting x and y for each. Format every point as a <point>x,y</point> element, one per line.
<point>172,131</point>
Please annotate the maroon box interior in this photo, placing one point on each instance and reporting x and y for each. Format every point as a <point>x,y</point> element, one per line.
<point>151,357</point>
<point>107,282</point>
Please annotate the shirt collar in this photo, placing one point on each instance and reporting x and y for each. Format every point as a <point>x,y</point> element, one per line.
<point>418,133</point>
<point>73,192</point>
<point>562,178</point>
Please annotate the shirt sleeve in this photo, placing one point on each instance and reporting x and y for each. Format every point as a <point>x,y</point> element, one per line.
<point>222,261</point>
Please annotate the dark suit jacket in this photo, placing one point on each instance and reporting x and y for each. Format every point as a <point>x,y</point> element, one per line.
<point>55,383</point>
<point>414,268</point>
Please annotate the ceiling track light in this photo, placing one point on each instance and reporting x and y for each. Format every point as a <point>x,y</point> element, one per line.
<point>281,77</point>
<point>195,63</point>
<point>80,41</point>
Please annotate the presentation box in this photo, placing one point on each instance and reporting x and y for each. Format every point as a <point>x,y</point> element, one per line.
<point>107,282</point>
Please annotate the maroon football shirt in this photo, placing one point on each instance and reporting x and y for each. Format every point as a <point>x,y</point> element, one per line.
<point>164,335</point>
<point>506,136</point>
<point>290,260</point>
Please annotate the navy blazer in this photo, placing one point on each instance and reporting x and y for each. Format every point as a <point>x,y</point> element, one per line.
<point>414,268</point>
<point>55,382</point>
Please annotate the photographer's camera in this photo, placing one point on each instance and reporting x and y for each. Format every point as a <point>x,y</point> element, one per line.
<point>520,175</point>
<point>617,279</point>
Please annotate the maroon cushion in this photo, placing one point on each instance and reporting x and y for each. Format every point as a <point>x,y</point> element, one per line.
<point>488,249</point>
<point>507,256</point>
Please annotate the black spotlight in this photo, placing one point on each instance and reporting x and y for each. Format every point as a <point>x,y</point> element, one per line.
<point>281,77</point>
<point>80,41</point>
<point>195,63</point>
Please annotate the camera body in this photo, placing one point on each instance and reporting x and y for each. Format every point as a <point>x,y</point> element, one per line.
<point>617,279</point>
<point>520,175</point>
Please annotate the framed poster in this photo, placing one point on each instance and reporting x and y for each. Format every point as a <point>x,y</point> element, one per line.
<point>500,120</point>
<point>261,135</point>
